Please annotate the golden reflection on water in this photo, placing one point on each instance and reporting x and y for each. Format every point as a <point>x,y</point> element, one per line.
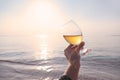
<point>45,68</point>
<point>43,54</point>
<point>42,47</point>
<point>45,46</point>
<point>47,78</point>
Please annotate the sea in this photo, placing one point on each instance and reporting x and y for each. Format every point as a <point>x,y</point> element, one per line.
<point>41,57</point>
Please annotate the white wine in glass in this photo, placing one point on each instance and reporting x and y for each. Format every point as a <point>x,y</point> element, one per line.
<point>72,34</point>
<point>73,39</point>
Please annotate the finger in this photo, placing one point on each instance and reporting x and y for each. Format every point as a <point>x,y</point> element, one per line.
<point>74,46</point>
<point>67,52</point>
<point>69,46</point>
<point>66,56</point>
<point>86,51</point>
<point>80,46</point>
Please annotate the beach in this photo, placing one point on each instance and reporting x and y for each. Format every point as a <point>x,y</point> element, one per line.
<point>35,33</point>
<point>19,61</point>
<point>52,69</point>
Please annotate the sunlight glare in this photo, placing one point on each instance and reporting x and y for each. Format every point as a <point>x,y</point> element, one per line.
<point>46,68</point>
<point>43,54</point>
<point>43,13</point>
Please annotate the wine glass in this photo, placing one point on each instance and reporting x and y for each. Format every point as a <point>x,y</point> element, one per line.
<point>73,34</point>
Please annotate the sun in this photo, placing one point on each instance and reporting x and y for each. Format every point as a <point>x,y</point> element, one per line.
<point>43,13</point>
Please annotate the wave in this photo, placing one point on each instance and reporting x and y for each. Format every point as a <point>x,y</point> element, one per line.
<point>116,35</point>
<point>56,60</point>
<point>20,62</point>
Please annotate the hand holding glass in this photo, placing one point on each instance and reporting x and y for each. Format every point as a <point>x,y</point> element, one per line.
<point>72,34</point>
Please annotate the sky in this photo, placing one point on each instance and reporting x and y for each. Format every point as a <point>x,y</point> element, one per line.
<point>18,17</point>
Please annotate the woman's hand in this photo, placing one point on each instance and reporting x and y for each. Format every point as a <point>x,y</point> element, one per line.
<point>72,53</point>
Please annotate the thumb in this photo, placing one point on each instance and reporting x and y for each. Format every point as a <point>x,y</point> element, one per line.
<point>80,46</point>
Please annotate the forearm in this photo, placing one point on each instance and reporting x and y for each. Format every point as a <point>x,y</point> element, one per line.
<point>72,71</point>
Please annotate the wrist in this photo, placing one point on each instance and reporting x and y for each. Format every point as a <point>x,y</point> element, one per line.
<point>72,71</point>
<point>75,65</point>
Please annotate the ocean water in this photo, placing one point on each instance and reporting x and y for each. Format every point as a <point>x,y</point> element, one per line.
<point>41,58</point>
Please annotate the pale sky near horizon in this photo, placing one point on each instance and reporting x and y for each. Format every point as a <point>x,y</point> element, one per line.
<point>31,16</point>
